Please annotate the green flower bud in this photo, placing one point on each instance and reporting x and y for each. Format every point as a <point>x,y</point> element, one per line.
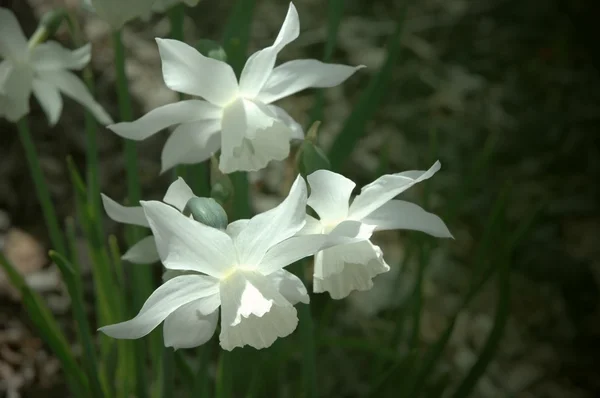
<point>207,211</point>
<point>212,49</point>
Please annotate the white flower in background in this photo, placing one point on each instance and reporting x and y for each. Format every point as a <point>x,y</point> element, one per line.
<point>160,6</point>
<point>235,117</point>
<point>144,251</point>
<point>118,12</point>
<point>41,69</point>
<point>239,270</point>
<point>343,268</point>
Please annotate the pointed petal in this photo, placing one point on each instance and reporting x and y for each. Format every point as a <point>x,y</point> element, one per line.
<point>187,245</point>
<point>397,214</point>
<point>290,287</point>
<point>342,269</point>
<point>49,98</point>
<point>234,228</point>
<point>251,137</point>
<point>259,65</point>
<point>123,214</point>
<point>165,116</point>
<point>253,312</point>
<point>70,84</point>
<point>385,188</point>
<point>267,229</point>
<point>191,143</point>
<point>295,76</point>
<point>143,252</point>
<point>178,194</point>
<point>290,251</point>
<point>162,302</point>
<point>188,326</point>
<point>117,12</point>
<point>295,127</point>
<point>13,43</point>
<point>52,56</point>
<point>15,93</point>
<point>311,227</point>
<point>330,195</point>
<point>187,71</point>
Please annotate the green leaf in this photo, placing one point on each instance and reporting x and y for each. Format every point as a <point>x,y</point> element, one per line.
<point>368,103</point>
<point>48,328</point>
<point>70,278</point>
<point>237,34</point>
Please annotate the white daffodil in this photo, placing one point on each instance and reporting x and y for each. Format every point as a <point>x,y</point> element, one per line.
<point>144,251</point>
<point>236,117</point>
<point>118,12</point>
<point>347,267</point>
<point>41,69</point>
<point>239,270</point>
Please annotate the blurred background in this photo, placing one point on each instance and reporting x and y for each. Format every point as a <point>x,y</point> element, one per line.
<point>505,93</point>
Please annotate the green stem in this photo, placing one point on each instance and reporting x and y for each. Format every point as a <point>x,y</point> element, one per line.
<point>241,199</point>
<point>224,388</point>
<point>309,355</point>
<point>41,189</point>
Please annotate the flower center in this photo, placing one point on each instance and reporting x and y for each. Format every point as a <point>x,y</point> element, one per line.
<point>234,270</point>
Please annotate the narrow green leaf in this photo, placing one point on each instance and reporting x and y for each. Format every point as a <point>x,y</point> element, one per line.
<point>48,328</point>
<point>237,34</point>
<point>224,382</point>
<point>369,101</point>
<point>83,327</point>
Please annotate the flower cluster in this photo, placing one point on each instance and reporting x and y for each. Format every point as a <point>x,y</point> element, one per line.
<point>233,269</point>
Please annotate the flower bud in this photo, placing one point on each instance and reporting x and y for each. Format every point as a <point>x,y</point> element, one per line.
<point>207,211</point>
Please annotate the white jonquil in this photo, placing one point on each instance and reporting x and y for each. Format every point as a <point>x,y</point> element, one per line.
<point>41,69</point>
<point>234,117</point>
<point>239,270</point>
<point>144,251</point>
<point>352,266</point>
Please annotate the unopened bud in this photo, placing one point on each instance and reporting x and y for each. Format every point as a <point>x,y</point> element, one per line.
<point>207,211</point>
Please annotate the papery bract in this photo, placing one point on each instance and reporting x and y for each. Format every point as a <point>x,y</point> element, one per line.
<point>236,117</point>
<point>347,267</point>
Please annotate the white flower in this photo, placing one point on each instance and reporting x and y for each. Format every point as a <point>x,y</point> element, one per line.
<point>41,69</point>
<point>144,251</point>
<point>239,270</point>
<point>347,267</point>
<point>237,118</point>
<point>160,6</point>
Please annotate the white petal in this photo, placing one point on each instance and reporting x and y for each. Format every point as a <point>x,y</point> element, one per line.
<point>294,76</point>
<point>188,327</point>
<point>290,286</point>
<point>253,312</point>
<point>290,251</point>
<point>251,137</point>
<point>143,252</point>
<point>267,229</point>
<point>259,65</point>
<point>70,84</point>
<point>52,56</point>
<point>330,195</point>
<point>295,127</point>
<point>127,215</point>
<point>49,98</point>
<point>397,214</point>
<point>187,245</point>
<point>162,302</point>
<point>385,188</point>
<point>311,227</point>
<point>191,143</point>
<point>166,116</point>
<point>13,43</point>
<point>178,194</point>
<point>6,68</point>
<point>187,71</point>
<point>234,228</point>
<point>342,269</point>
<point>14,100</point>
<point>118,12</point>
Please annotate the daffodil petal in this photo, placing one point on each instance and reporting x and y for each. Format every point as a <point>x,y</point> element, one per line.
<point>165,300</point>
<point>329,195</point>
<point>13,43</point>
<point>187,71</point>
<point>165,116</point>
<point>385,188</point>
<point>178,194</point>
<point>290,286</point>
<point>259,65</point>
<point>52,56</point>
<point>397,214</point>
<point>49,98</point>
<point>16,90</point>
<point>295,76</point>
<point>187,245</point>
<point>127,215</point>
<point>295,127</point>
<point>191,143</point>
<point>188,327</point>
<point>143,252</point>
